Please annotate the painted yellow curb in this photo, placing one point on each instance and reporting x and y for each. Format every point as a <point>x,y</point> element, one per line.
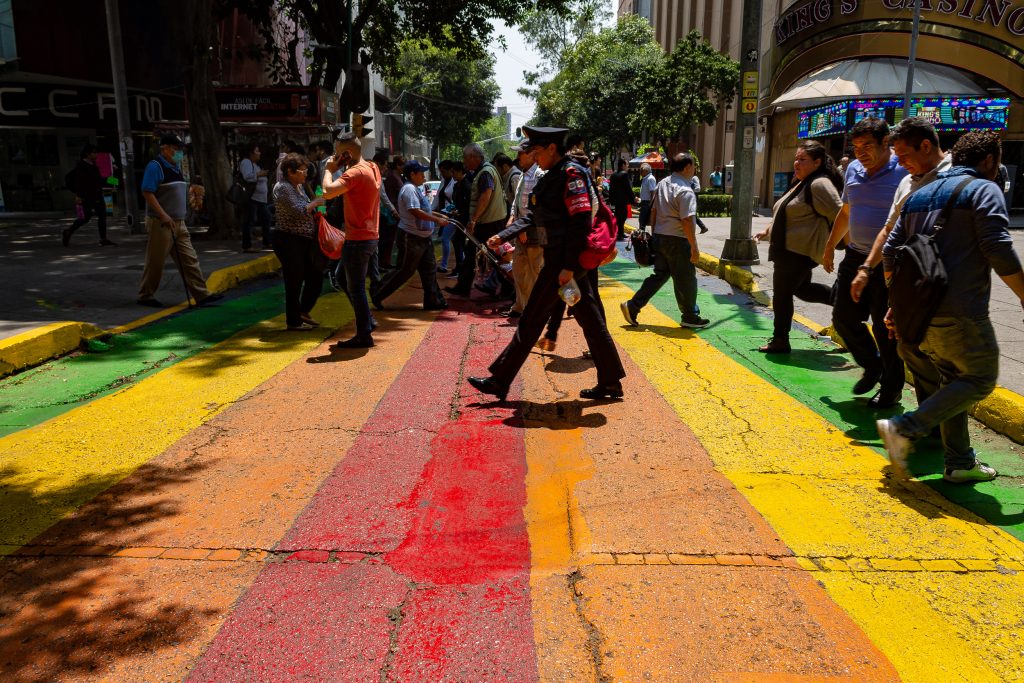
<point>41,344</point>
<point>828,497</point>
<point>53,468</point>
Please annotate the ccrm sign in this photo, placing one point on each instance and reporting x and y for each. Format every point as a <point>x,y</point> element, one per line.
<point>999,14</point>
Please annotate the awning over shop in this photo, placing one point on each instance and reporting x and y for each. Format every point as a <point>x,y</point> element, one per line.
<point>873,78</point>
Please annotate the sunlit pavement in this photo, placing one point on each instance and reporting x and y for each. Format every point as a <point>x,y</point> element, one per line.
<point>225,500</point>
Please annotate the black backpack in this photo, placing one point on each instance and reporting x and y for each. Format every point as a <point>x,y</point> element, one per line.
<point>920,281</point>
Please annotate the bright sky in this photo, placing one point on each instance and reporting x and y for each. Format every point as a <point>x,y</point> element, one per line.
<point>509,70</point>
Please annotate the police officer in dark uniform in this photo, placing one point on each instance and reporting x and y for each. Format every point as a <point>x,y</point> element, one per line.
<point>561,209</point>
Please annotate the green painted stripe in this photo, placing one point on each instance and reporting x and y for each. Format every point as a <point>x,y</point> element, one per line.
<point>54,388</point>
<point>820,376</point>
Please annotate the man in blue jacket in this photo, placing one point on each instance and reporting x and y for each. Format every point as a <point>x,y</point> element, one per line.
<point>959,340</point>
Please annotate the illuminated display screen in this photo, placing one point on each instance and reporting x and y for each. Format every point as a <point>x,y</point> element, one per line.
<point>832,119</point>
<point>950,114</point>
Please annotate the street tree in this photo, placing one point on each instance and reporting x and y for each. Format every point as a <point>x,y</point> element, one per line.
<point>687,89</point>
<point>445,93</point>
<point>553,33</point>
<point>597,89</point>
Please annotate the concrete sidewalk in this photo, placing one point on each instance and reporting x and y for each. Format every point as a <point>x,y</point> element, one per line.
<point>1007,317</point>
<point>46,282</point>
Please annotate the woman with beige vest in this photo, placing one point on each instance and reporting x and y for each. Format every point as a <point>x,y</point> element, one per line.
<point>801,222</point>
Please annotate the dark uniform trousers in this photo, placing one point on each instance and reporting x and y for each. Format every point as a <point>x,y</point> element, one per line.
<point>542,303</point>
<point>874,354</point>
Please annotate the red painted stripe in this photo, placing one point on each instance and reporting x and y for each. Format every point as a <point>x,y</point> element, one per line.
<point>439,502</point>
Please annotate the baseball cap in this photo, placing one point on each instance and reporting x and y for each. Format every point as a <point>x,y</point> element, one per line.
<point>171,139</point>
<point>414,167</point>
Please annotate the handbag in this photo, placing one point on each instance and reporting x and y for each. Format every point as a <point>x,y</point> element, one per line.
<point>919,281</point>
<point>331,239</point>
<point>640,244</point>
<point>241,190</point>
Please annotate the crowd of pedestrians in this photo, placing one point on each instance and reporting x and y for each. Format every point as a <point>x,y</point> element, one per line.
<point>537,212</point>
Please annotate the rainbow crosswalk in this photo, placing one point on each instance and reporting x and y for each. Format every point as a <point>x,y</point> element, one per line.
<point>267,509</point>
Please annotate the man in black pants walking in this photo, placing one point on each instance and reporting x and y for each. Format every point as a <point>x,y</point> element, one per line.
<point>88,189</point>
<point>487,212</point>
<point>620,192</point>
<point>561,208</point>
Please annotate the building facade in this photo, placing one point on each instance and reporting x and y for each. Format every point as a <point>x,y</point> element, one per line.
<point>969,74</point>
<point>826,63</point>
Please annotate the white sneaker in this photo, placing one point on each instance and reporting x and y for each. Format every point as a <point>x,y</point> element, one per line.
<point>897,445</point>
<point>980,472</point>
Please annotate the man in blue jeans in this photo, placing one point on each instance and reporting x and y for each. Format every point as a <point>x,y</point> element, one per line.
<point>673,211</point>
<point>959,340</point>
<point>360,184</point>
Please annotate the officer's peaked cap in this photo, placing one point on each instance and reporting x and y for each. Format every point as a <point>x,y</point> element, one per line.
<point>542,137</point>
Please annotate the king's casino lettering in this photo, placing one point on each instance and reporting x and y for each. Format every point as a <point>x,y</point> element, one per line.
<point>1002,14</point>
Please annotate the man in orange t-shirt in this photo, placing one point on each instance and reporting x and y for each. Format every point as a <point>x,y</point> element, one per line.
<point>360,184</point>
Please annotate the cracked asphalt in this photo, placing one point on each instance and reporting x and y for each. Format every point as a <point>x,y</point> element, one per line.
<point>261,507</point>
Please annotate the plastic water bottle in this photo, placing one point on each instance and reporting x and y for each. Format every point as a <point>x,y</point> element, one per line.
<point>570,293</point>
<point>319,195</point>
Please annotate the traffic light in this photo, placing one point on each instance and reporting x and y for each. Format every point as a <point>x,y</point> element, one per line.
<point>359,125</point>
<point>355,94</point>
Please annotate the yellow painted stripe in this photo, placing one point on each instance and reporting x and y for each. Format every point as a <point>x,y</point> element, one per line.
<point>560,540</point>
<point>49,470</point>
<point>828,497</point>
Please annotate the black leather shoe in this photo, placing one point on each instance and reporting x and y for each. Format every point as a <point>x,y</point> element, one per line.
<point>867,382</point>
<point>776,346</point>
<point>355,343</point>
<point>884,399</point>
<point>488,385</point>
<point>599,392</point>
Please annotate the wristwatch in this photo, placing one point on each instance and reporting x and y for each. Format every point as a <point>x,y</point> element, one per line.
<point>865,268</point>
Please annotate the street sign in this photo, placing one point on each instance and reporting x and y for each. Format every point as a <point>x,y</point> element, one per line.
<point>749,106</point>
<point>748,137</point>
<point>749,85</point>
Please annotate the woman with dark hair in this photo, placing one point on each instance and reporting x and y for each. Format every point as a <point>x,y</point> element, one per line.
<point>87,185</point>
<point>295,243</point>
<point>801,222</point>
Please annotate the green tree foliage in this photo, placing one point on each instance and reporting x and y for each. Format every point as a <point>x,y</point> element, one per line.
<point>595,93</point>
<point>553,33</point>
<point>691,84</point>
<point>447,93</point>
<point>492,135</point>
<point>378,26</point>
<point>618,84</point>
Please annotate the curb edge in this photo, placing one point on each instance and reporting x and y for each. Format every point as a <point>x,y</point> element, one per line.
<point>53,340</point>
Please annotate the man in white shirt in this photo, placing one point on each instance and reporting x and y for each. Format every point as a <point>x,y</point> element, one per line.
<point>647,184</point>
<point>673,210</point>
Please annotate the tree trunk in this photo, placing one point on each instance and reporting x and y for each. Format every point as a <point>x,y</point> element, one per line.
<point>204,123</point>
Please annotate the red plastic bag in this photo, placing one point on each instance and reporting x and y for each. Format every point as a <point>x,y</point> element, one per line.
<point>331,239</point>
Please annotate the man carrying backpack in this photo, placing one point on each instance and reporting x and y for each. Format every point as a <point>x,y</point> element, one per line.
<point>959,338</point>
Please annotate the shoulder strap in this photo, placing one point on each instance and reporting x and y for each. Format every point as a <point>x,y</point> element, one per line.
<point>948,209</point>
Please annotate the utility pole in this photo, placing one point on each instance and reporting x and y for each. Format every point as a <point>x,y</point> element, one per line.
<point>912,57</point>
<point>124,125</point>
<point>740,248</point>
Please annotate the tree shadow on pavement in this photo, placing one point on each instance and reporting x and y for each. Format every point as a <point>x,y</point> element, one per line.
<point>568,366</point>
<point>67,609</point>
<point>855,411</point>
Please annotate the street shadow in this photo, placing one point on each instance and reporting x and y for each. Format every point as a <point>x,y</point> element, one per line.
<point>961,501</point>
<point>73,612</point>
<point>855,411</point>
<point>568,366</point>
<point>818,360</point>
<point>336,355</point>
<point>558,415</point>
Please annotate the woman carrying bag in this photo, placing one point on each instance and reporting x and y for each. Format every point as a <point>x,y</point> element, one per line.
<point>295,243</point>
<point>801,222</point>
